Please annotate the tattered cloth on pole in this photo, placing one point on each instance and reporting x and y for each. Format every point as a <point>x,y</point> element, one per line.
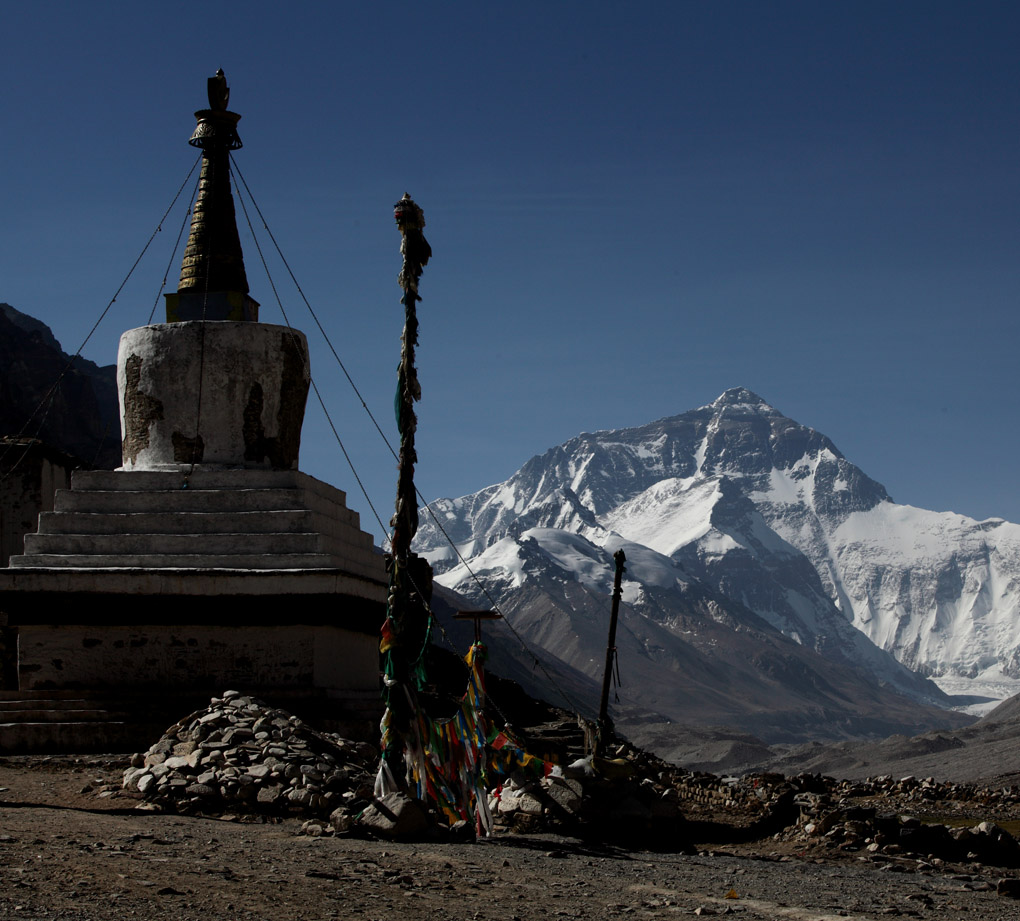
<point>453,761</point>
<point>448,761</point>
<point>416,252</point>
<point>406,631</point>
<point>508,754</point>
<point>413,247</point>
<point>447,758</point>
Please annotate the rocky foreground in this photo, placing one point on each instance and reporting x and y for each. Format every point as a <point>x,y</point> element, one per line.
<point>241,810</point>
<point>74,846</point>
<point>240,757</point>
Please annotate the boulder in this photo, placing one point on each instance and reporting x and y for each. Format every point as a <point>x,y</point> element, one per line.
<point>394,815</point>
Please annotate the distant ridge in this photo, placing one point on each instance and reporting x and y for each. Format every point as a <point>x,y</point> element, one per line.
<point>82,418</point>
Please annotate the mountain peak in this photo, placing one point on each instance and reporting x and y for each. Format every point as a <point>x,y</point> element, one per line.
<point>739,396</point>
<point>30,325</point>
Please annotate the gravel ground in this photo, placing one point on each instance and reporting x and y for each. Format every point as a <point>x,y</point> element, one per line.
<point>68,854</point>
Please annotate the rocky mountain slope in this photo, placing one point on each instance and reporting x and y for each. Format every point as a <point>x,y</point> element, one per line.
<point>687,658</point>
<point>739,525</point>
<point>985,750</point>
<point>80,416</point>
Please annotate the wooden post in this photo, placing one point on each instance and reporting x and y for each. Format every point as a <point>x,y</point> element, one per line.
<point>406,630</point>
<point>605,725</point>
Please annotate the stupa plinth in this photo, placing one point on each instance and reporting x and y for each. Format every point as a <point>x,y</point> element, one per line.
<point>207,560</point>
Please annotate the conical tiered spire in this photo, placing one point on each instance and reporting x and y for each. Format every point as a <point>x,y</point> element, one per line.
<point>213,284</point>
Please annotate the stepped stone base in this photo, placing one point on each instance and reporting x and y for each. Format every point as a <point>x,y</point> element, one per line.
<point>192,581</point>
<point>32,722</point>
<point>35,722</point>
<point>200,518</point>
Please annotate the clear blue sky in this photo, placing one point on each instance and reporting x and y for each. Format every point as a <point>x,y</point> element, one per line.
<point>632,207</point>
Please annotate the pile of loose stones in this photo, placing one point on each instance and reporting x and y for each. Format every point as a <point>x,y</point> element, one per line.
<point>240,754</point>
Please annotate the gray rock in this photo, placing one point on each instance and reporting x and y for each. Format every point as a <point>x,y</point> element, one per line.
<point>1009,888</point>
<point>131,776</point>
<point>565,795</point>
<point>341,821</point>
<point>394,816</point>
<point>200,789</point>
<point>269,795</point>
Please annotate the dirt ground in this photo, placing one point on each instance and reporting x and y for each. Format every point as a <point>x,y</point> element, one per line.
<point>68,853</point>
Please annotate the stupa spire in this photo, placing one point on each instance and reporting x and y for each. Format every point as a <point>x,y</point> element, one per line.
<point>213,284</point>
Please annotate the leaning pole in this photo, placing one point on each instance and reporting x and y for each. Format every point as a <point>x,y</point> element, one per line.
<point>405,634</point>
<point>605,724</point>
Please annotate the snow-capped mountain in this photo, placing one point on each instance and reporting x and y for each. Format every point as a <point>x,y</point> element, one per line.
<point>743,509</point>
<point>687,656</point>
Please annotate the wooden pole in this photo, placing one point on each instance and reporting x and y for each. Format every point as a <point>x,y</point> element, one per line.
<point>605,725</point>
<point>405,632</point>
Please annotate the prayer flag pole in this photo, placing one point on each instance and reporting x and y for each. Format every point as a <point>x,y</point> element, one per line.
<point>405,634</point>
<point>605,724</point>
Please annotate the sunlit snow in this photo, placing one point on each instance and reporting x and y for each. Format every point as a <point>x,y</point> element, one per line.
<point>672,513</point>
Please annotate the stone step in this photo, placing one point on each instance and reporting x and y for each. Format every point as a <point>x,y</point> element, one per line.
<point>200,478</point>
<point>53,697</point>
<point>61,715</point>
<point>191,522</point>
<point>80,737</point>
<point>206,544</point>
<point>333,514</point>
<point>19,700</point>
<point>261,522</point>
<point>178,561</point>
<point>182,500</point>
<point>314,493</point>
<point>51,721</point>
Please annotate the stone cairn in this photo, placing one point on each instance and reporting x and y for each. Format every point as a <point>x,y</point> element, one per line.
<point>239,754</point>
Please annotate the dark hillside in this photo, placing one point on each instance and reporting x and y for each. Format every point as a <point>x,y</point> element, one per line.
<point>81,418</point>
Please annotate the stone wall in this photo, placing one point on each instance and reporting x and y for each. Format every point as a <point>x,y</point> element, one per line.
<point>31,472</point>
<point>287,658</point>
